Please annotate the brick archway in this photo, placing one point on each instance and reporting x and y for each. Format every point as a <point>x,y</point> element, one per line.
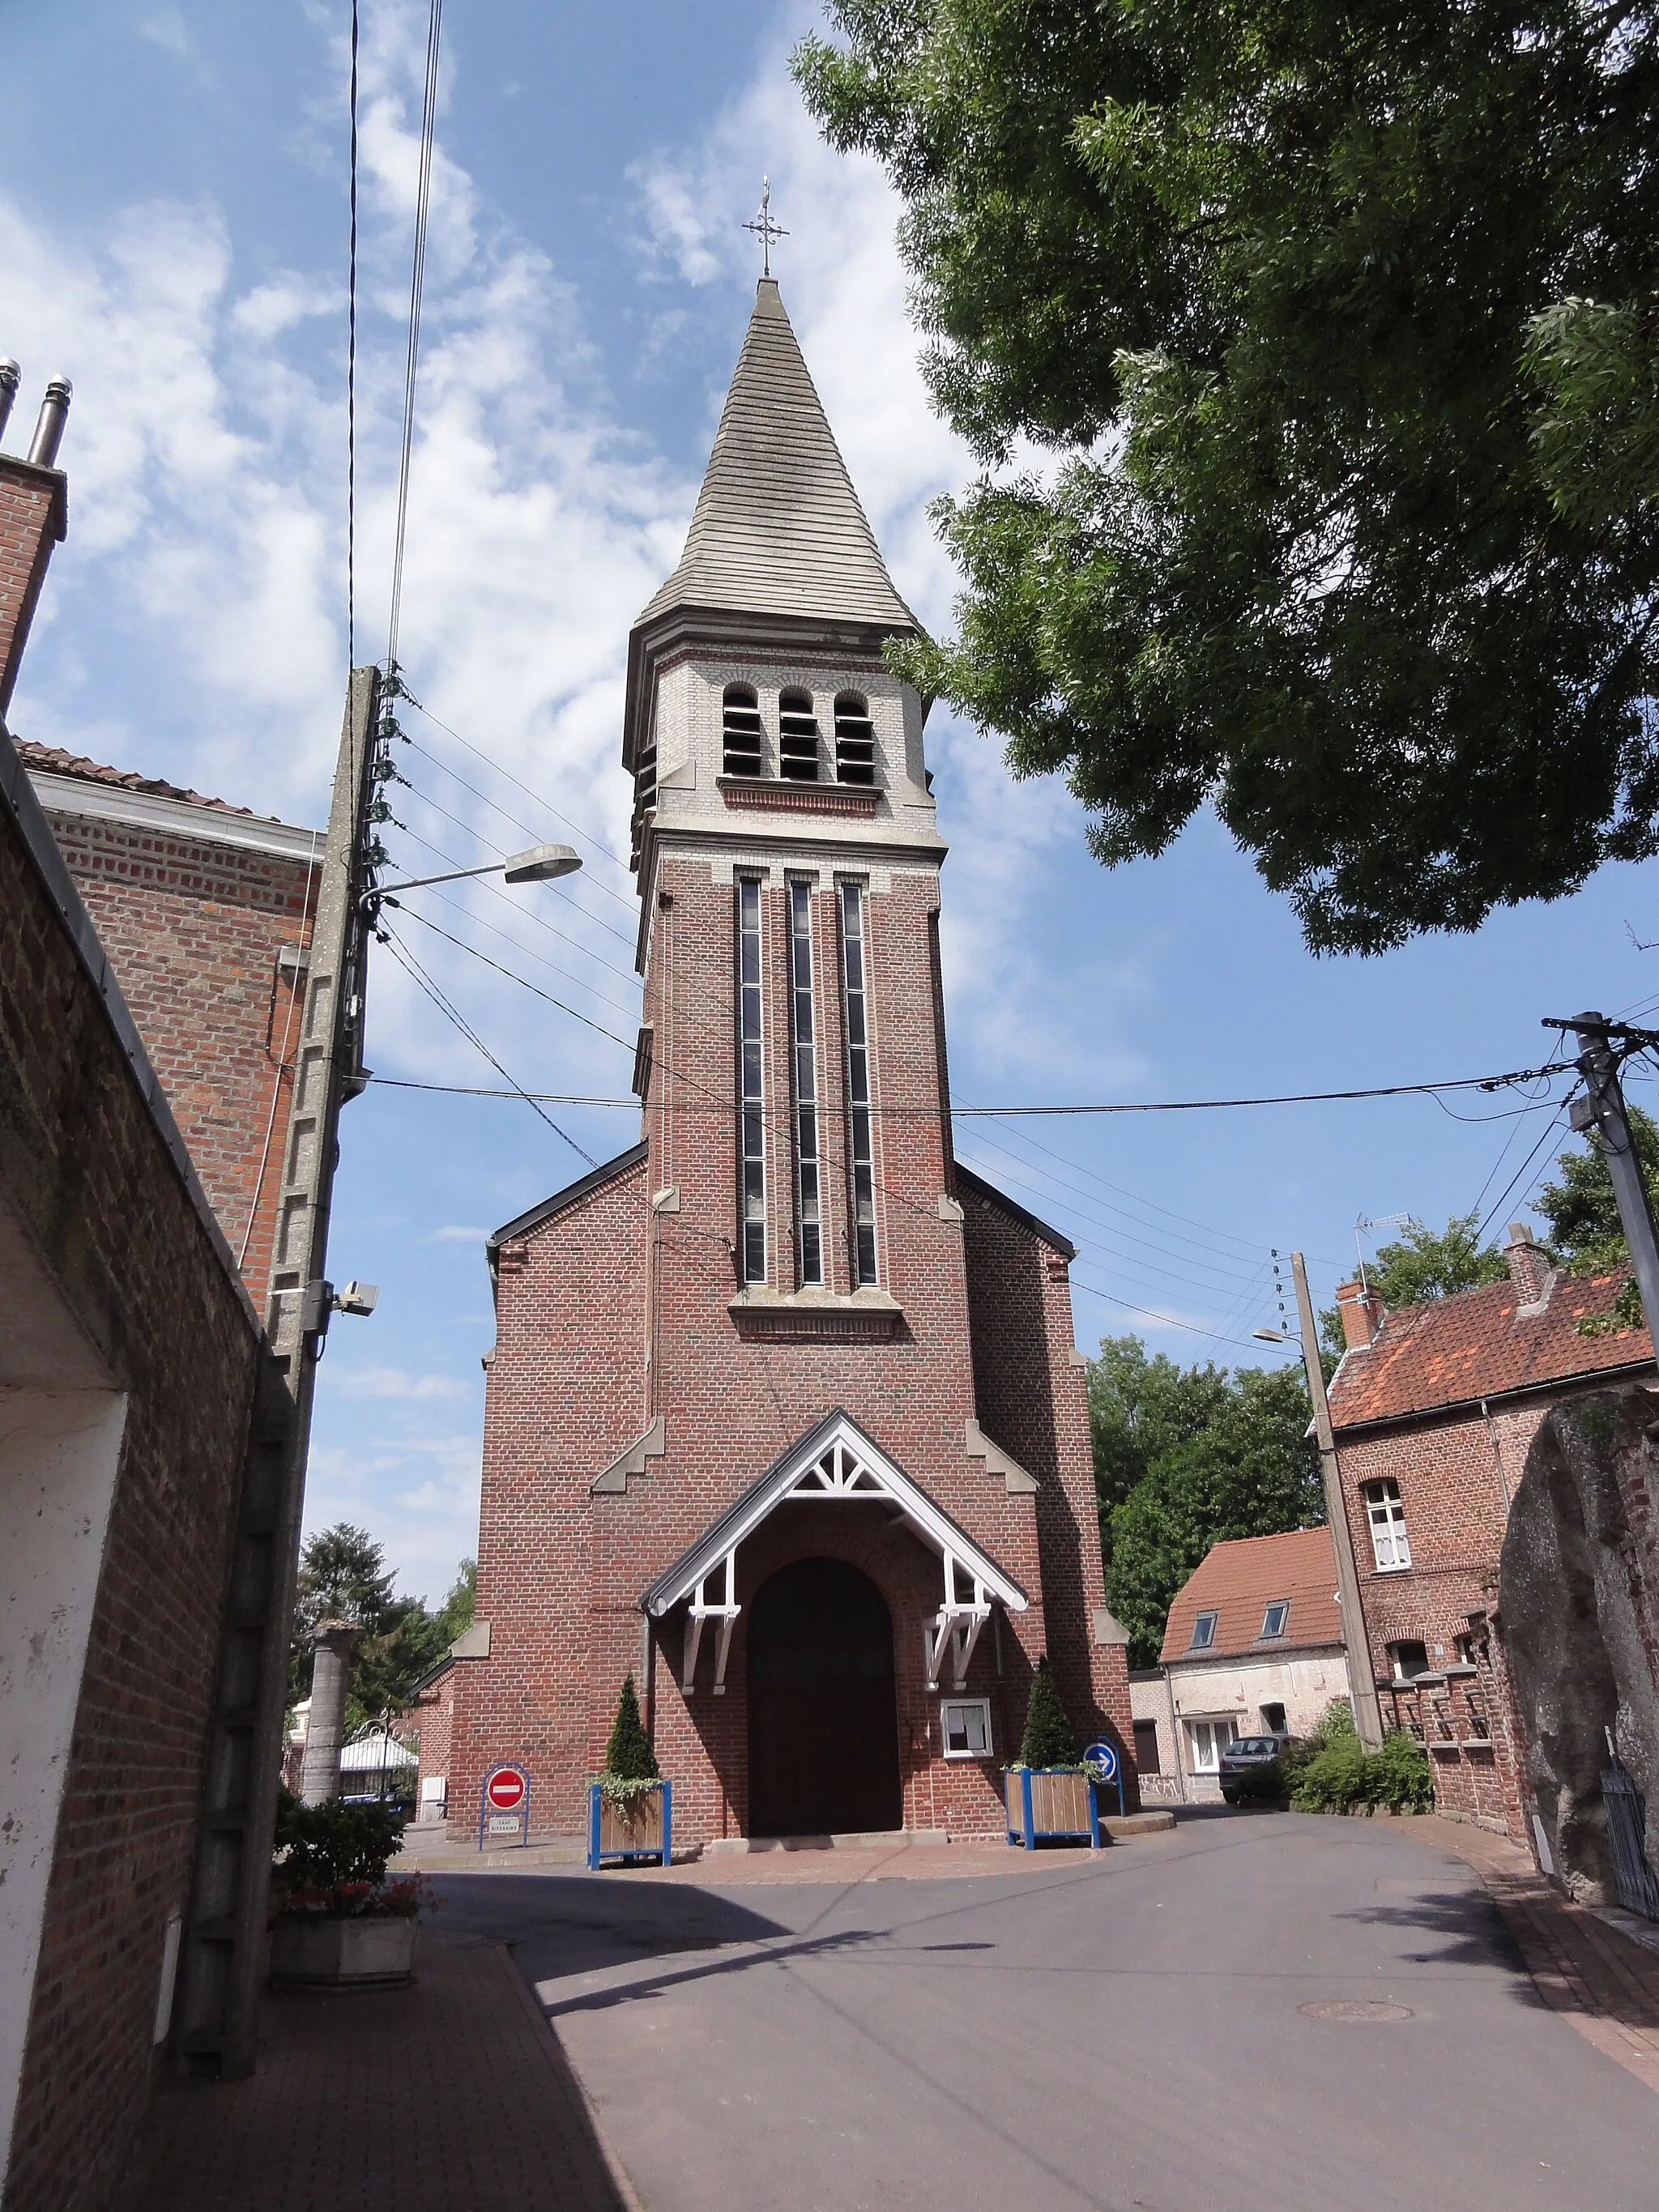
<point>824,1754</point>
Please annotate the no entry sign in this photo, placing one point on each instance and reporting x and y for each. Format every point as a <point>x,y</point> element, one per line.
<point>504,1803</point>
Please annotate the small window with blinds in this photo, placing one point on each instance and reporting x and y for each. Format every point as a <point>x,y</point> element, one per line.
<point>797,738</point>
<point>741,731</point>
<point>855,740</point>
<point>861,1174</point>
<point>751,1095</point>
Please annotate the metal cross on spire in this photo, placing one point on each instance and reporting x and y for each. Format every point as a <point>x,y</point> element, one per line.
<point>764,227</point>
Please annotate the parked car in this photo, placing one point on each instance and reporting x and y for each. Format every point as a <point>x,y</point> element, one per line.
<point>1247,1752</point>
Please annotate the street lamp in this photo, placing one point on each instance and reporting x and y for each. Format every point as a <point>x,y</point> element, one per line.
<point>540,864</point>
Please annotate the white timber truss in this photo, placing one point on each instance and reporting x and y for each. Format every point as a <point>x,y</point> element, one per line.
<point>836,1461</point>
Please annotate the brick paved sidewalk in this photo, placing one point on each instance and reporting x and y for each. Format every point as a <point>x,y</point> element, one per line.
<point>1600,1981</point>
<point>453,2095</point>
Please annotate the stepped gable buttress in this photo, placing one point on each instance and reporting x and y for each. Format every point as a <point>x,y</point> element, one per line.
<point>784,1414</point>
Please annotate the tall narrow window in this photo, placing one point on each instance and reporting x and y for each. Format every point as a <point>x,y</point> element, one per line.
<point>751,1183</point>
<point>797,738</point>
<point>740,729</point>
<point>855,740</point>
<point>861,1159</point>
<point>808,1236</point>
<point>1387,1518</point>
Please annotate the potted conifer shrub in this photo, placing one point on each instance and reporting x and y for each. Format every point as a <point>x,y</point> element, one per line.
<point>1049,1792</point>
<point>340,1922</point>
<point>629,1805</point>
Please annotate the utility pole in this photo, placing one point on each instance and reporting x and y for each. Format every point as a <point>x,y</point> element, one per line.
<point>224,1944</point>
<point>1362,1680</point>
<point>1603,1110</point>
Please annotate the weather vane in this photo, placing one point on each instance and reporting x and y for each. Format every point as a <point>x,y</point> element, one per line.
<point>764,226</point>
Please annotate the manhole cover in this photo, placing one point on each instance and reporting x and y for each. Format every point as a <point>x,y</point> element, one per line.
<point>1353,2008</point>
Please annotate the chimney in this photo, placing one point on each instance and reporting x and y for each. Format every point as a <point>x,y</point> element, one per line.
<point>1530,1267</point>
<point>34,518</point>
<point>1361,1309</point>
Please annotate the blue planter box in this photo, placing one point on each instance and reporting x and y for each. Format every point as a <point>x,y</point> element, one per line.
<point>644,1835</point>
<point>1051,1801</point>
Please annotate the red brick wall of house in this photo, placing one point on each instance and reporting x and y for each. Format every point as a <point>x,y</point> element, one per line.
<point>193,930</point>
<point>616,1311</point>
<point>84,1163</point>
<point>1457,1477</point>
<point>434,1716</point>
<point>33,519</point>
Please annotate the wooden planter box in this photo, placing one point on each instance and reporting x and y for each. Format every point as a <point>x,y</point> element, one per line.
<point>644,1832</point>
<point>1051,1801</point>
<point>364,1953</point>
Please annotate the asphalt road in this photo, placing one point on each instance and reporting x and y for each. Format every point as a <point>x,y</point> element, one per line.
<point>1121,2032</point>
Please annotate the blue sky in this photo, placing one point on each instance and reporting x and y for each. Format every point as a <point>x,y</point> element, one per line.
<point>173,237</point>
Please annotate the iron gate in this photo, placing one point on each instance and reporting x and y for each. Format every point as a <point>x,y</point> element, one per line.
<point>1638,1884</point>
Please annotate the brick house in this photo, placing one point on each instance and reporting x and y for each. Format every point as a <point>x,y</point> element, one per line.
<point>1253,1646</point>
<point>1435,1408</point>
<point>206,911</point>
<point>784,1412</point>
<point>135,1380</point>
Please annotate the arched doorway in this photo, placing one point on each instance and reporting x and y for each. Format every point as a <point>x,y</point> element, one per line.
<point>822,1721</point>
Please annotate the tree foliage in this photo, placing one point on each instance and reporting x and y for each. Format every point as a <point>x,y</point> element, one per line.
<point>1186,1458</point>
<point>1585,1232</point>
<point>1049,1739</point>
<point>1425,1263</point>
<point>344,1576</point>
<point>1337,325</point>
<point>629,1756</point>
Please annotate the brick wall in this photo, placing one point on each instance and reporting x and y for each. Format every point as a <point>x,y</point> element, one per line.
<point>87,1170</point>
<point>193,929</point>
<point>34,518</point>
<point>618,1311</point>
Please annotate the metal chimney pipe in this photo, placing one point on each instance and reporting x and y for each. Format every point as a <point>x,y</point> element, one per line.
<point>49,429</point>
<point>9,373</point>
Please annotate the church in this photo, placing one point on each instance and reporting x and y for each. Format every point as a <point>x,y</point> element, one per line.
<point>784,1415</point>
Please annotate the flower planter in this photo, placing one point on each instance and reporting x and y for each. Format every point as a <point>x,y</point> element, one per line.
<point>620,1835</point>
<point>1051,1801</point>
<point>368,1951</point>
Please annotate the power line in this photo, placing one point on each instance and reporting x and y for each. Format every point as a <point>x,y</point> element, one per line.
<point>1284,1098</point>
<point>351,371</point>
<point>528,913</point>
<point>1210,1233</point>
<point>1164,1321</point>
<point>625,899</point>
<point>416,285</point>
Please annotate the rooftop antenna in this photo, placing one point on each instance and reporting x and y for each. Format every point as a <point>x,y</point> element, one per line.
<point>764,226</point>
<point>1378,1221</point>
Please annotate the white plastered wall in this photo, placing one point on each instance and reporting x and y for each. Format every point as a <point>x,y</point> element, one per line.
<point>61,1425</point>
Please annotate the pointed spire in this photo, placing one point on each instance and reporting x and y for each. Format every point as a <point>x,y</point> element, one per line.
<point>778,528</point>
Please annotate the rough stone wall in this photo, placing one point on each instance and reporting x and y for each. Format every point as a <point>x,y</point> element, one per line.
<point>193,930</point>
<point>1032,1397</point>
<point>1578,1616</point>
<point>87,1169</point>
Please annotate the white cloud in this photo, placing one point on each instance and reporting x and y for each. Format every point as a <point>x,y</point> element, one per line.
<point>395,1382</point>
<point>454,1233</point>
<point>165,28</point>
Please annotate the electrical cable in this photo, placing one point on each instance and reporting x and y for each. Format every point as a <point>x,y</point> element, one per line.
<point>629,899</point>
<point>1549,1131</point>
<point>1210,1234</point>
<point>416,285</point>
<point>629,976</point>
<point>411,966</point>
<point>351,373</point>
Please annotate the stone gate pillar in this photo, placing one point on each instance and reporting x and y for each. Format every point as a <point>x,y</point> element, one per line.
<point>330,1678</point>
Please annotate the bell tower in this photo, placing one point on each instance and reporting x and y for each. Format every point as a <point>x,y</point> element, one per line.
<point>788,860</point>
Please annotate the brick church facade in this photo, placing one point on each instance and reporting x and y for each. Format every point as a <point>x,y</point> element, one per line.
<point>784,1414</point>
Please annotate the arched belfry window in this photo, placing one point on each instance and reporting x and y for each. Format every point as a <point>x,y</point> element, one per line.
<point>740,725</point>
<point>855,740</point>
<point>797,738</point>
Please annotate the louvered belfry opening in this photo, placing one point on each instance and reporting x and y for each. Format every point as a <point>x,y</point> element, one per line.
<point>645,796</point>
<point>855,740</point>
<point>797,738</point>
<point>741,728</point>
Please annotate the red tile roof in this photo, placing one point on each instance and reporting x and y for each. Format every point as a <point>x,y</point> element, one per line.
<point>48,760</point>
<point>1238,1580</point>
<point>1479,1344</point>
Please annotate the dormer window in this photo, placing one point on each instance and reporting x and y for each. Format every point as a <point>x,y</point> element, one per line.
<point>740,725</point>
<point>797,738</point>
<point>855,740</point>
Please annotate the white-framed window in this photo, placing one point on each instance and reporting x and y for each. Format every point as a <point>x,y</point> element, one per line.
<point>751,1089</point>
<point>809,1240</point>
<point>1387,1519</point>
<point>1207,1740</point>
<point>1203,1631</point>
<point>862,1228</point>
<point>1275,1620</point>
<point>966,1724</point>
